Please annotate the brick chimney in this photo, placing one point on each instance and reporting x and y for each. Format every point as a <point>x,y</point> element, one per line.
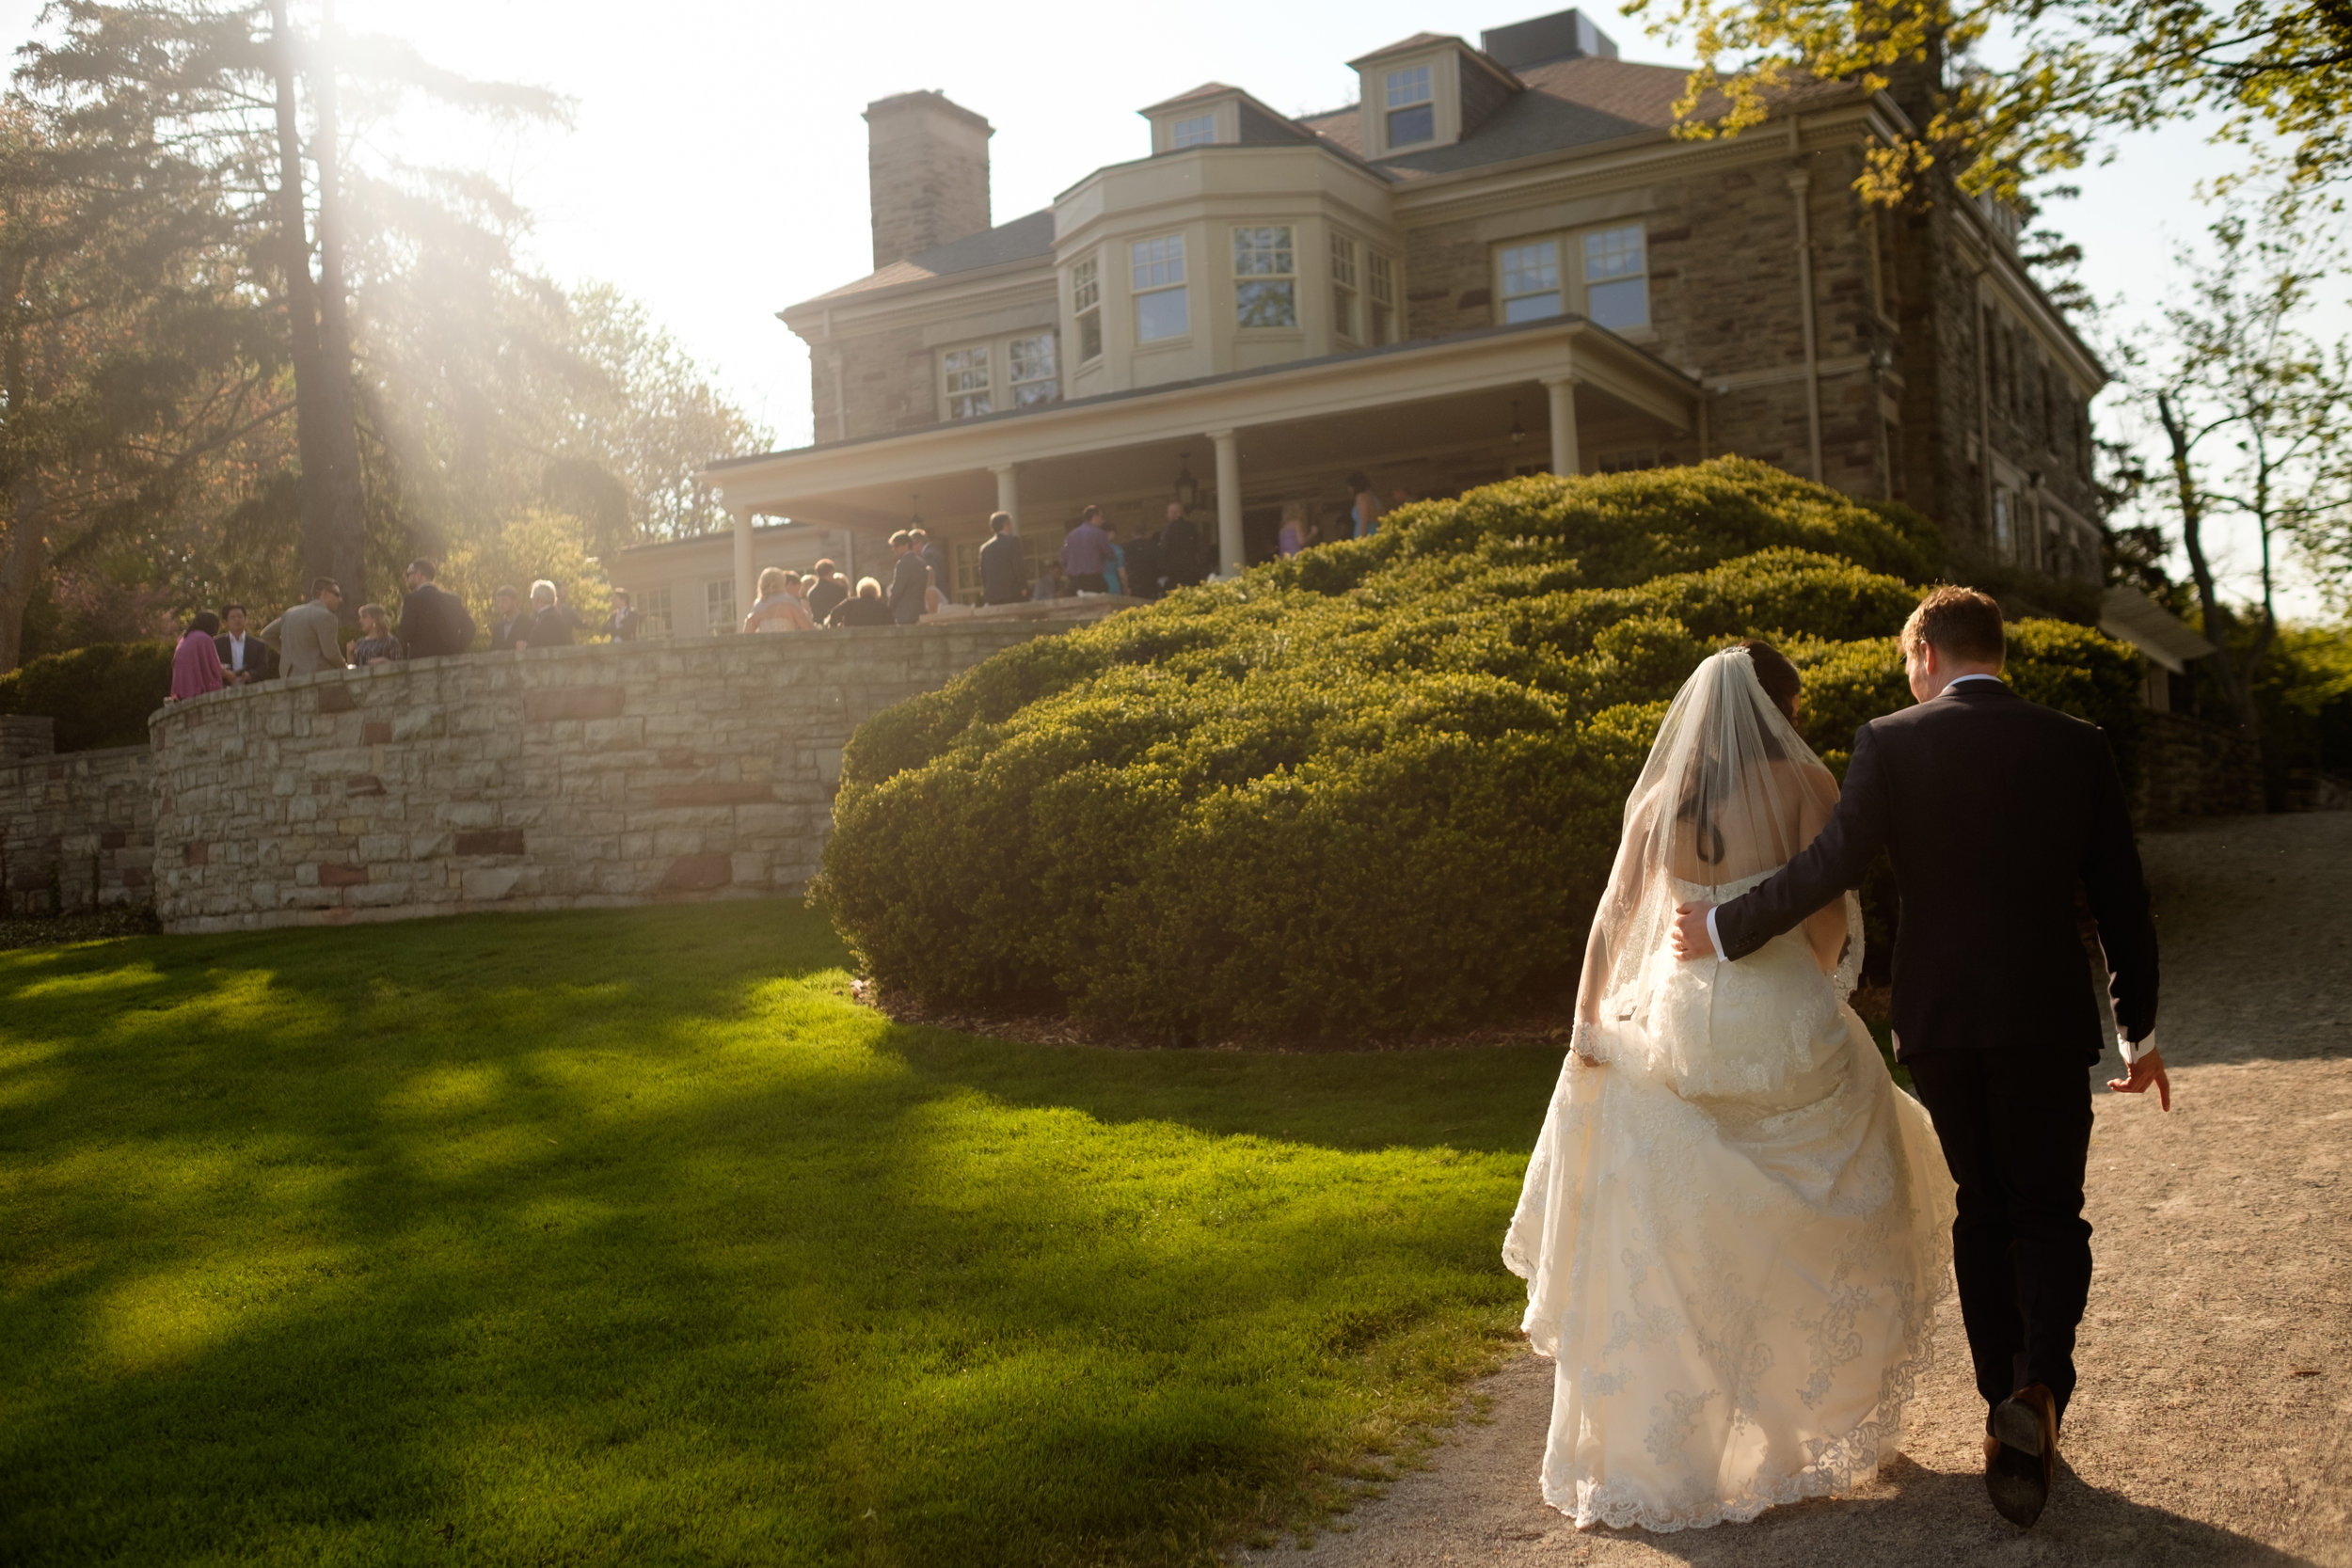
<point>926,164</point>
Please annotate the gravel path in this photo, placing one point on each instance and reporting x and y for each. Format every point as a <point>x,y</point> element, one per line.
<point>2213,1421</point>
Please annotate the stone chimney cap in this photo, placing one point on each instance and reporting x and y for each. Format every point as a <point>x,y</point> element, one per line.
<point>930,99</point>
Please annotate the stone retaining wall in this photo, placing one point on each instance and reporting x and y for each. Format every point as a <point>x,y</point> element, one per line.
<point>75,831</point>
<point>562,778</point>
<point>2191,767</point>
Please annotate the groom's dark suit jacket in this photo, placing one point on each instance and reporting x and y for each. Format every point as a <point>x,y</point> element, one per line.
<point>1994,810</point>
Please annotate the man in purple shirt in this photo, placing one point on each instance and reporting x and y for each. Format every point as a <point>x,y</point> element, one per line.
<point>1085,551</point>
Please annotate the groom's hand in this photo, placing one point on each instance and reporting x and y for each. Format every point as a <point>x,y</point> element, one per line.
<point>1691,940</point>
<point>2148,1070</point>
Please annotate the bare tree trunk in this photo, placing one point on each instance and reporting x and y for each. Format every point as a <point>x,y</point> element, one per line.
<point>2235,684</point>
<point>21,563</point>
<point>347,502</point>
<point>329,536</point>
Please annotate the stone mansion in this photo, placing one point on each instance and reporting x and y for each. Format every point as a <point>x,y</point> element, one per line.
<point>1499,261</point>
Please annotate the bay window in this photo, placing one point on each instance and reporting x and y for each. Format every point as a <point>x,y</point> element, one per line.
<point>1156,277</point>
<point>1086,302</point>
<point>1266,282</point>
<point>1345,293</point>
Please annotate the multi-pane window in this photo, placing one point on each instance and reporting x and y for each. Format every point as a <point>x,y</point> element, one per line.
<point>1383,274</point>
<point>1616,277</point>
<point>1610,283</point>
<point>1000,374</point>
<point>1412,107</point>
<point>1199,130</point>
<point>1346,290</point>
<point>1156,272</point>
<point>1086,302</point>
<point>1266,280</point>
<point>719,605</point>
<point>1034,376</point>
<point>1531,281</point>
<point>966,373</point>
<point>653,612</point>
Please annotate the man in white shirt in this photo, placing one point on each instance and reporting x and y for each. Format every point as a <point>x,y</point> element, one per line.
<point>244,659</point>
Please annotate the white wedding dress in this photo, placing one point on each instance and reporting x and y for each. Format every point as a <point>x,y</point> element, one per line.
<point>1734,1229</point>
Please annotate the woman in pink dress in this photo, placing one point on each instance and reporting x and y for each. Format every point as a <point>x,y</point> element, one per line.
<point>195,663</point>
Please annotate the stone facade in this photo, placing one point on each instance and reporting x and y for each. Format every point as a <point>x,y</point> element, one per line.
<point>76,832</point>
<point>564,778</point>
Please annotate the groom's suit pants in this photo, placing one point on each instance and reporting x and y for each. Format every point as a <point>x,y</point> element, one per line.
<point>2015,1126</point>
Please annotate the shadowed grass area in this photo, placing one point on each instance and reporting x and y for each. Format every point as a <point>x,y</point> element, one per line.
<point>625,1237</point>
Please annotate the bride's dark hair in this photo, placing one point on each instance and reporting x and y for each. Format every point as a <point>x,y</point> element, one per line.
<point>1708,777</point>
<point>1775,674</point>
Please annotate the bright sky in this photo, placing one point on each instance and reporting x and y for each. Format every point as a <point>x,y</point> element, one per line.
<point>716,167</point>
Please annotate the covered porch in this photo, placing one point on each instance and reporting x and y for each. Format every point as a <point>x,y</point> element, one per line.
<point>1428,417</point>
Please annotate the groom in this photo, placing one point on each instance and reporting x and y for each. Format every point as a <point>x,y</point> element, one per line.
<point>1994,811</point>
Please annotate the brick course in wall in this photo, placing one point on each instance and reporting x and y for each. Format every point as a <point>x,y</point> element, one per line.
<point>563,778</point>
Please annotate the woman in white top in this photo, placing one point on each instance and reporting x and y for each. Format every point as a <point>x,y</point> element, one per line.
<point>779,607</point>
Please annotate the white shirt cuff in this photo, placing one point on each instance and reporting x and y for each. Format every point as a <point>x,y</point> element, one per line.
<point>1713,937</point>
<point>2134,1052</point>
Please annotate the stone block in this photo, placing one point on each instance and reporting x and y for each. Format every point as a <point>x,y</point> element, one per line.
<point>572,702</point>
<point>490,841</point>
<point>195,852</point>
<point>699,872</point>
<point>380,897</point>
<point>468,813</point>
<point>488,883</point>
<point>376,732</point>
<point>336,698</point>
<point>713,795</point>
<point>306,898</point>
<point>375,847</point>
<point>362,783</point>
<point>341,876</point>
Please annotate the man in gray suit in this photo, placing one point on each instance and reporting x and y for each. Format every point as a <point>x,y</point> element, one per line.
<point>306,637</point>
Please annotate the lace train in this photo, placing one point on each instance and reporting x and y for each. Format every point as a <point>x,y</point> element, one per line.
<point>1735,1243</point>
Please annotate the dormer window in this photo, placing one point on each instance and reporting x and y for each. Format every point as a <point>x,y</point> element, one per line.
<point>1197,130</point>
<point>1412,107</point>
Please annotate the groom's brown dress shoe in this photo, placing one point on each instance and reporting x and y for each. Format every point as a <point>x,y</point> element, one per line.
<point>2021,1453</point>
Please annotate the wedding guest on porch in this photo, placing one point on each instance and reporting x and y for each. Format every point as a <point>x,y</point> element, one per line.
<point>1086,549</point>
<point>1363,507</point>
<point>196,662</point>
<point>434,621</point>
<point>825,594</point>
<point>1139,575</point>
<point>376,645</point>
<point>779,608</point>
<point>1181,565</point>
<point>244,659</point>
<point>936,559</point>
<point>621,626</point>
<point>910,580</point>
<point>550,619</point>
<point>1296,533</point>
<point>864,608</point>
<point>1115,569</point>
<point>509,624</point>
<point>1003,574</point>
<point>309,637</point>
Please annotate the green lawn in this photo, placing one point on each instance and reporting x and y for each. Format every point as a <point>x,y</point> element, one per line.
<point>626,1238</point>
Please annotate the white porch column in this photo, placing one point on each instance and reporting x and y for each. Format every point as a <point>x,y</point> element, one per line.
<point>1229,543</point>
<point>744,592</point>
<point>1008,494</point>
<point>1561,389</point>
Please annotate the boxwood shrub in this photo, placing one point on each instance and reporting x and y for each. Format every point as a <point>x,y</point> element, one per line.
<point>1370,791</point>
<point>100,695</point>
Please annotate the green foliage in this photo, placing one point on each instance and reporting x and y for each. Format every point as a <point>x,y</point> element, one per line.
<point>100,695</point>
<point>1373,789</point>
<point>625,1237</point>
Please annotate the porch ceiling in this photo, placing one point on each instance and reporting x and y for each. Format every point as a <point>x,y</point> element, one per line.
<point>1296,422</point>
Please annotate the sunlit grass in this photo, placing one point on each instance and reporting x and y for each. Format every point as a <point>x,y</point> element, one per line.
<point>626,1238</point>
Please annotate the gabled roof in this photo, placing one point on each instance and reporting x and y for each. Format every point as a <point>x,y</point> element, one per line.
<point>1569,104</point>
<point>1025,238</point>
<point>1206,90</point>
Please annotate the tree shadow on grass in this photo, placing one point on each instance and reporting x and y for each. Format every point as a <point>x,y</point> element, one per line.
<point>626,1239</point>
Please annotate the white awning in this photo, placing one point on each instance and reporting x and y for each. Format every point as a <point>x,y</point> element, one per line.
<point>2131,616</point>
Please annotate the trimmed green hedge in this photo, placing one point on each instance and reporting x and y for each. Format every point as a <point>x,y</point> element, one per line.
<point>1371,790</point>
<point>100,695</point>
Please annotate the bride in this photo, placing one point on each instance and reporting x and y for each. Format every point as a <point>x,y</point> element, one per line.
<point>1734,1229</point>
